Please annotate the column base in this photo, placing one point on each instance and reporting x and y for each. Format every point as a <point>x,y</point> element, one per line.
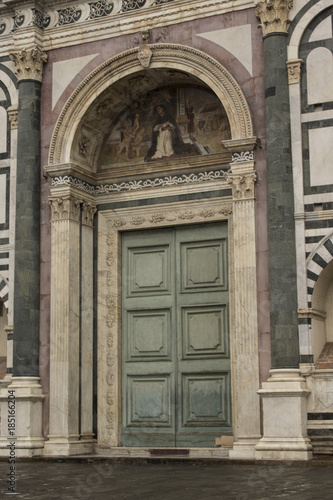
<point>288,449</point>
<point>21,418</point>
<point>68,446</point>
<point>244,449</point>
<point>285,417</point>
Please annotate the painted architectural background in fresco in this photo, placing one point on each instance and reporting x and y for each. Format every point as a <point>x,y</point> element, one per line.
<point>168,123</point>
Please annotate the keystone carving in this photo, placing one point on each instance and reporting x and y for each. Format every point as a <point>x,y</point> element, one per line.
<point>29,63</point>
<point>144,55</point>
<point>274,15</point>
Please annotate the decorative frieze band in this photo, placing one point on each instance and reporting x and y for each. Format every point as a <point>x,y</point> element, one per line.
<point>294,71</point>
<point>242,156</point>
<point>29,63</point>
<point>82,12</point>
<point>274,15</point>
<point>171,180</point>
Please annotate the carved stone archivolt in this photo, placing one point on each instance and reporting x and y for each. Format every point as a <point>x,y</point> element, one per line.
<point>29,63</point>
<point>274,15</point>
<point>193,62</point>
<point>294,71</point>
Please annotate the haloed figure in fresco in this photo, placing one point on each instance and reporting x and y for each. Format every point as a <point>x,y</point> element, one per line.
<point>166,138</point>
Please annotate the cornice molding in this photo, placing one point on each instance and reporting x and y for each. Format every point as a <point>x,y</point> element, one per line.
<point>102,22</point>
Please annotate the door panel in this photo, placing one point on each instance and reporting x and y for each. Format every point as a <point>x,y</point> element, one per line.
<point>176,366</point>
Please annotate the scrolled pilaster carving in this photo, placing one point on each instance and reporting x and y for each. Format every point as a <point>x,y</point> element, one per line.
<point>65,208</point>
<point>274,15</point>
<point>242,185</point>
<point>294,71</point>
<point>88,212</point>
<point>29,63</point>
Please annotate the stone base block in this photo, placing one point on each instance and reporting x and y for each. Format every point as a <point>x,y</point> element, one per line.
<point>288,449</point>
<point>68,446</point>
<point>285,417</point>
<point>244,449</point>
<point>21,417</point>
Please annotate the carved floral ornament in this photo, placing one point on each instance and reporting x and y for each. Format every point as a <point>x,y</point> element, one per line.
<point>29,63</point>
<point>274,15</point>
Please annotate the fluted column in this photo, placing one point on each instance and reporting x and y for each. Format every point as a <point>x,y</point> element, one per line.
<point>246,364</point>
<point>66,287</point>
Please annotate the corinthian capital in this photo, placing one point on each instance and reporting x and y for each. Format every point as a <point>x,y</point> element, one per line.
<point>29,63</point>
<point>88,212</point>
<point>273,15</point>
<point>65,208</point>
<point>242,185</point>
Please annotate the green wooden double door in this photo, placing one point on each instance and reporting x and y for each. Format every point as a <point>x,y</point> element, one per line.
<point>175,345</point>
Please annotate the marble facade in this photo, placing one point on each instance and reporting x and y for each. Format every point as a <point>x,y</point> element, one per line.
<point>95,62</point>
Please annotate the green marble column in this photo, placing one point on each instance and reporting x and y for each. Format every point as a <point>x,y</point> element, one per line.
<point>27,224</point>
<point>280,200</point>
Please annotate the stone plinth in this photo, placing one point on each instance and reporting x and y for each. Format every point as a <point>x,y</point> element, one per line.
<point>21,417</point>
<point>285,417</point>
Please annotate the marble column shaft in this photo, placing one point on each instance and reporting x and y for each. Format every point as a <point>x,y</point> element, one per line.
<point>280,196</point>
<point>27,241</point>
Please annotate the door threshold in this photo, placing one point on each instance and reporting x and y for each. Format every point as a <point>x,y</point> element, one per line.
<point>184,453</point>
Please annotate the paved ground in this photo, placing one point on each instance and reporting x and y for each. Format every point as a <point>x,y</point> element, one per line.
<point>69,480</point>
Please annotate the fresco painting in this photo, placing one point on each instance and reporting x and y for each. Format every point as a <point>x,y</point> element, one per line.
<point>168,123</point>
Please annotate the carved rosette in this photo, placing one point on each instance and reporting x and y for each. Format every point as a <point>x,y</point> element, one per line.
<point>29,63</point>
<point>294,71</point>
<point>13,117</point>
<point>88,212</point>
<point>243,185</point>
<point>66,208</point>
<point>274,15</point>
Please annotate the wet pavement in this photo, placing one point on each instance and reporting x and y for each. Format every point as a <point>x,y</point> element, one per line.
<point>169,480</point>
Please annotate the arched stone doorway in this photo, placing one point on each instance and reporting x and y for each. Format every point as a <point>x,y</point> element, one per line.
<point>141,196</point>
